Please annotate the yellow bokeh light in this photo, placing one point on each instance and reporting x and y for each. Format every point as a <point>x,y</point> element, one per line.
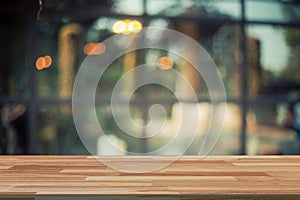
<point>127,26</point>
<point>94,48</point>
<point>135,26</point>
<point>119,26</point>
<point>165,63</point>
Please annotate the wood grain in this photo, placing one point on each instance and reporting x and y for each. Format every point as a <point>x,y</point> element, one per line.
<point>241,177</point>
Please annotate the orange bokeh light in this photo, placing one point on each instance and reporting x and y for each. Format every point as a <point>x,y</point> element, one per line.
<point>48,60</point>
<point>165,63</point>
<point>94,48</point>
<point>43,62</point>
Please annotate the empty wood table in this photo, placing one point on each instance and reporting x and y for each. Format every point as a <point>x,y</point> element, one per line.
<point>214,177</point>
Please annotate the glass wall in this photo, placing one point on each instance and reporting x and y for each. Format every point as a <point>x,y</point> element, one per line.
<point>254,44</point>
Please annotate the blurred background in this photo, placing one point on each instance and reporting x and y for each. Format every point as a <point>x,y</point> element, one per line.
<point>254,43</point>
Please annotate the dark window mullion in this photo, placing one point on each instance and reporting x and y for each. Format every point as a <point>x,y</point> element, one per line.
<point>32,141</point>
<point>244,82</point>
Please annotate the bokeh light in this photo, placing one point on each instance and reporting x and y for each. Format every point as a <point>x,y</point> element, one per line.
<point>48,60</point>
<point>127,23</point>
<point>127,26</point>
<point>94,48</point>
<point>134,26</point>
<point>119,26</point>
<point>165,63</point>
<point>43,62</point>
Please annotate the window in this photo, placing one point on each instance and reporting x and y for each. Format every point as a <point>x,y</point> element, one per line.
<point>256,52</point>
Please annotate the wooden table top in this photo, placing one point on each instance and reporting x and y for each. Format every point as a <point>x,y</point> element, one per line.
<point>226,175</point>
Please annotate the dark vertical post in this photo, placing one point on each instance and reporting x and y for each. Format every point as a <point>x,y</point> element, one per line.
<point>144,144</point>
<point>244,82</point>
<point>32,141</point>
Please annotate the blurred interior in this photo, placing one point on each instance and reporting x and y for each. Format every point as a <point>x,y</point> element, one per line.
<point>254,43</point>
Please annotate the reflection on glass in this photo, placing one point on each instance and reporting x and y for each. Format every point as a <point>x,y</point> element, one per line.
<point>275,50</point>
<point>130,7</point>
<point>170,8</point>
<point>174,124</point>
<point>126,135</point>
<point>280,11</point>
<point>58,79</point>
<point>63,37</point>
<point>228,143</point>
<point>14,69</point>
<point>69,40</point>
<point>225,48</point>
<point>278,56</point>
<point>267,131</point>
<point>229,8</point>
<point>221,8</point>
<point>56,131</point>
<point>13,127</point>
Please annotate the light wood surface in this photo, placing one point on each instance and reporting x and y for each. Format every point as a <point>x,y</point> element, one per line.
<point>239,176</point>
